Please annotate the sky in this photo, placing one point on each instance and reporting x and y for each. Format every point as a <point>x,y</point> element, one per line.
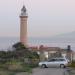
<point>46,18</point>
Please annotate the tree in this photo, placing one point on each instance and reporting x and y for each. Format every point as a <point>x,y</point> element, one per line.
<point>22,51</point>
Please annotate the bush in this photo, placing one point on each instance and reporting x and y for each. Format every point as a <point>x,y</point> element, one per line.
<point>6,73</point>
<point>15,60</point>
<point>16,66</point>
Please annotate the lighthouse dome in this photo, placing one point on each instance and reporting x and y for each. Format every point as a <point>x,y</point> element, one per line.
<point>23,11</point>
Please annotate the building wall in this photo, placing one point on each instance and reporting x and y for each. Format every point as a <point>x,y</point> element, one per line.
<point>52,52</point>
<point>73,56</point>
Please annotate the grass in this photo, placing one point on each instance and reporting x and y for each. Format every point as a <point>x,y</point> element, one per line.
<point>14,71</point>
<point>14,67</point>
<point>11,68</point>
<point>7,73</point>
<point>72,65</point>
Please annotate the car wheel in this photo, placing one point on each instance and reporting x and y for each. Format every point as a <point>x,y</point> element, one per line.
<point>43,66</point>
<point>62,66</point>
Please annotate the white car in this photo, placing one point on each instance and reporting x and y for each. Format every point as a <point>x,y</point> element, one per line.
<point>54,62</point>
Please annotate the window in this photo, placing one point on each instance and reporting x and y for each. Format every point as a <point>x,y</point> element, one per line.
<point>52,60</point>
<point>60,59</point>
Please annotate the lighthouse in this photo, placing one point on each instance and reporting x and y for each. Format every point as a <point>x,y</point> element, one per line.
<point>23,26</point>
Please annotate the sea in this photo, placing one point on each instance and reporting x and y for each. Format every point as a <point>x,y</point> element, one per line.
<point>7,42</point>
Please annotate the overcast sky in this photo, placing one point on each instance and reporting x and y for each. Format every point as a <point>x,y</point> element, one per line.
<point>46,17</point>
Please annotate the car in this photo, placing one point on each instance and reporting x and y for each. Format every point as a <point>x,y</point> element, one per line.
<point>54,62</point>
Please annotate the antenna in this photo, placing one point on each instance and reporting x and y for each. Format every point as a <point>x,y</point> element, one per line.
<point>23,3</point>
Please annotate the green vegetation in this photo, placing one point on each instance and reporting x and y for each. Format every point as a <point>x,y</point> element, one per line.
<point>72,65</point>
<point>21,59</point>
<point>7,73</point>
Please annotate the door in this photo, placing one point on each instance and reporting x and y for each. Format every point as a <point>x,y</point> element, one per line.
<point>51,63</point>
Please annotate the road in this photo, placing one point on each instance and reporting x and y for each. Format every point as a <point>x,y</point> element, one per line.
<point>49,71</point>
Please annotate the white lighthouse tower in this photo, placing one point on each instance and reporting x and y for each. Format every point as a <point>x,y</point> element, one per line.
<point>23,26</point>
